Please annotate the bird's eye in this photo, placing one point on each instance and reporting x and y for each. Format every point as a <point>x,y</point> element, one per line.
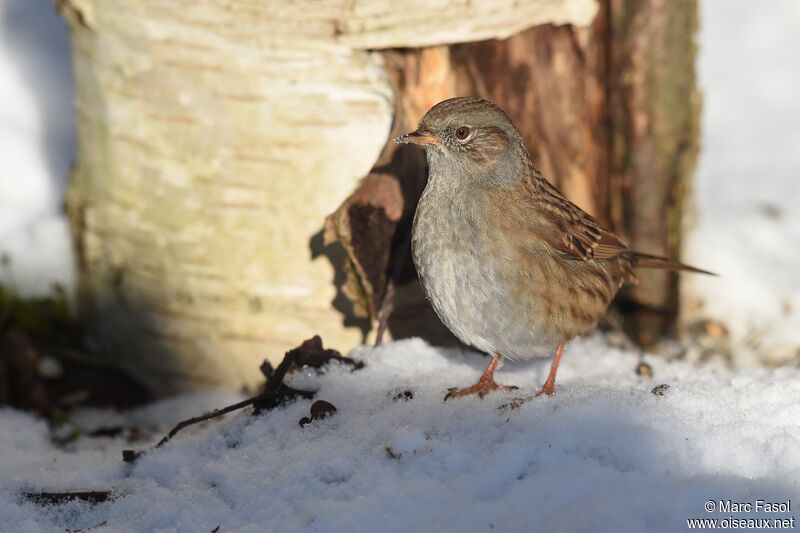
<point>462,133</point>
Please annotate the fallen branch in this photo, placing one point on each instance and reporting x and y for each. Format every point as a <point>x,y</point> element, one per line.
<point>276,392</point>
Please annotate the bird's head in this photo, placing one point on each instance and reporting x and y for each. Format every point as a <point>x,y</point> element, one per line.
<point>471,138</point>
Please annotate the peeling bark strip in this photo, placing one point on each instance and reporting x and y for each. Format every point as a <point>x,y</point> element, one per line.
<point>609,114</point>
<point>213,138</point>
<point>373,224</point>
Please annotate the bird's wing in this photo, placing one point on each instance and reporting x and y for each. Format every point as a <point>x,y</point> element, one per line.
<point>569,229</point>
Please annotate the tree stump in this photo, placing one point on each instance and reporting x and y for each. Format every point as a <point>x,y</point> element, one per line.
<point>609,113</point>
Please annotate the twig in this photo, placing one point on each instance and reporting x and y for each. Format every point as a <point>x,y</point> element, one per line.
<point>208,416</point>
<point>58,498</point>
<point>271,397</point>
<point>89,528</point>
<point>387,307</point>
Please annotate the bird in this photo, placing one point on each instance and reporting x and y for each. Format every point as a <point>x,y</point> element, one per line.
<point>509,264</point>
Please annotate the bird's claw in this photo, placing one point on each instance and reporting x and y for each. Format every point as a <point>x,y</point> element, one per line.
<point>449,394</point>
<point>481,388</point>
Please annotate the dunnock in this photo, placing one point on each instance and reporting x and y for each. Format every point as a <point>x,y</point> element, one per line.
<point>510,265</point>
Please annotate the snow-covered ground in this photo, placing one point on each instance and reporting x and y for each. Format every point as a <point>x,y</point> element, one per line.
<point>603,454</point>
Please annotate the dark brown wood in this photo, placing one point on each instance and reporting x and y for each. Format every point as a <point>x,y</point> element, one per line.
<point>550,83</point>
<point>60,498</point>
<point>654,108</point>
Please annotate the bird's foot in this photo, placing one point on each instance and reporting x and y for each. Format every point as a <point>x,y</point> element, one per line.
<point>548,389</point>
<point>481,388</point>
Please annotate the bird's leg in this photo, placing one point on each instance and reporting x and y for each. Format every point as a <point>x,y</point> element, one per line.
<point>549,386</point>
<point>485,384</point>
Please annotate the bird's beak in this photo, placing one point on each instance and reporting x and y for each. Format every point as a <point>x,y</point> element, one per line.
<point>417,137</point>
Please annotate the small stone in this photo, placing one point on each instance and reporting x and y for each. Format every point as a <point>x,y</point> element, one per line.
<point>403,396</point>
<point>319,411</point>
<point>322,409</point>
<point>130,456</point>
<point>659,390</point>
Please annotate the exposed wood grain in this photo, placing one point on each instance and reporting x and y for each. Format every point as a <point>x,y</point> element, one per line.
<point>609,114</point>
<point>654,105</point>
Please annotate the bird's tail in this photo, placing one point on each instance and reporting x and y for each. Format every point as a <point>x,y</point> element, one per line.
<point>653,261</point>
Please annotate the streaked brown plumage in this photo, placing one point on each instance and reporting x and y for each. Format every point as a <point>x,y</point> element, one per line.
<point>510,265</point>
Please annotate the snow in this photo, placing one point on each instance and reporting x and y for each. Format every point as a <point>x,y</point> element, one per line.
<point>36,148</point>
<point>603,454</point>
<point>748,177</point>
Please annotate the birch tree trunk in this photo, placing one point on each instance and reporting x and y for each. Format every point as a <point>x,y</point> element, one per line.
<point>213,138</point>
